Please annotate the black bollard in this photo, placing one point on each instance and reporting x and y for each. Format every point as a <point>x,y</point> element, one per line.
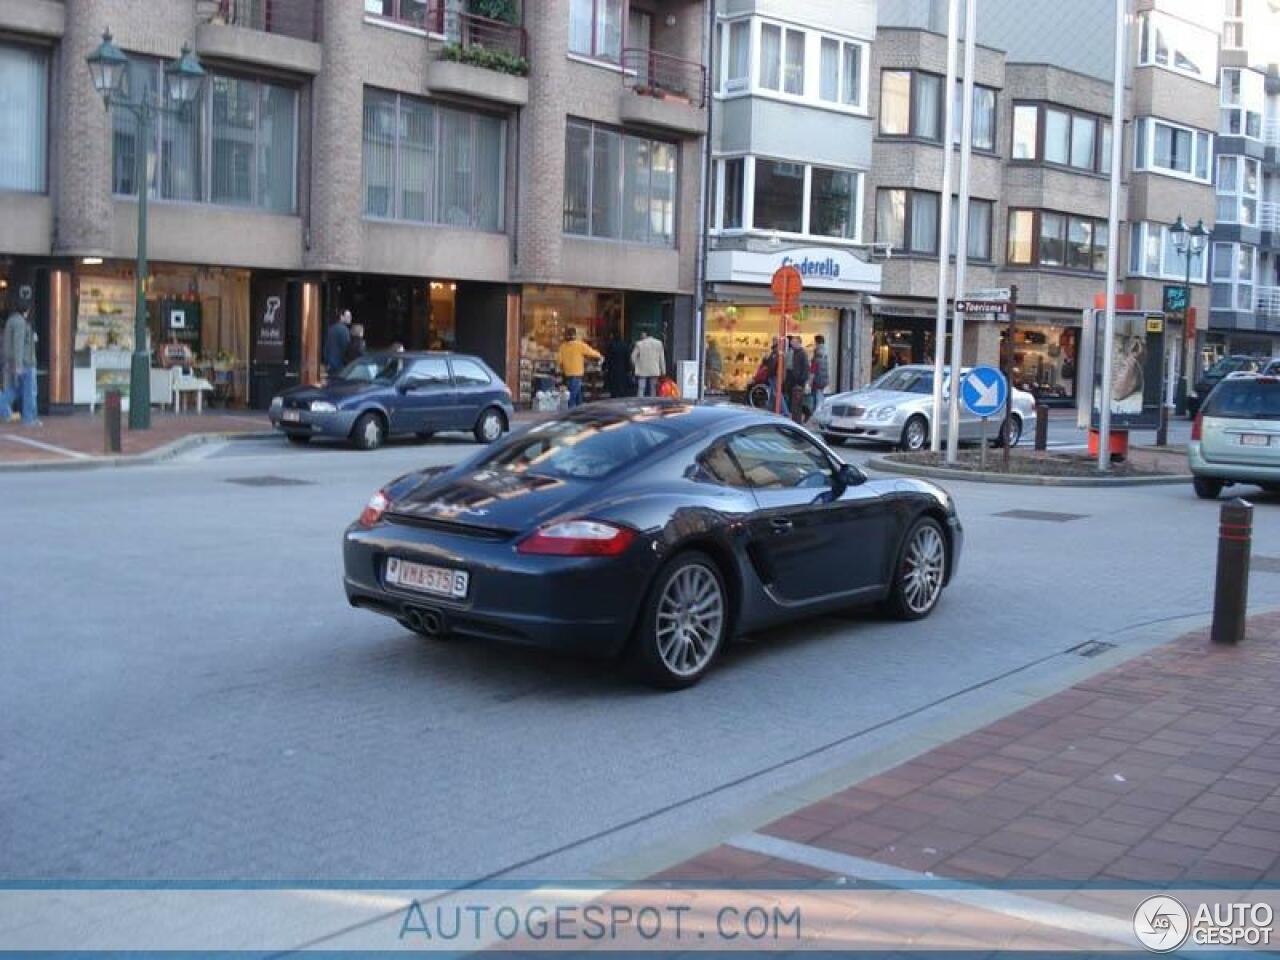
<point>111,421</point>
<point>1042,426</point>
<point>1162,426</point>
<point>1231,586</point>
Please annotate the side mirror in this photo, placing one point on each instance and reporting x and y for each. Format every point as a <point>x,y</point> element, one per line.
<point>847,475</point>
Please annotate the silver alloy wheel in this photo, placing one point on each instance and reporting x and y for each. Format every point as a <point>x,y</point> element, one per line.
<point>923,569</point>
<point>916,434</point>
<point>491,426</point>
<point>372,433</point>
<point>690,620</point>
<point>1013,431</point>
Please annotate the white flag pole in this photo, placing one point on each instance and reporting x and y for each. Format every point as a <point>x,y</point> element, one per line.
<point>1113,239</point>
<point>962,224</point>
<point>944,237</point>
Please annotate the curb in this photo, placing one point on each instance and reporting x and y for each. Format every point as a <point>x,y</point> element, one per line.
<point>885,465</point>
<point>168,451</point>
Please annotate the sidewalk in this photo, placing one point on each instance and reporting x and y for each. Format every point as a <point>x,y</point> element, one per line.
<point>80,436</point>
<point>1164,770</point>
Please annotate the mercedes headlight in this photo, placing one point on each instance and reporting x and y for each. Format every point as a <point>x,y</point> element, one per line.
<point>323,406</point>
<point>883,413</point>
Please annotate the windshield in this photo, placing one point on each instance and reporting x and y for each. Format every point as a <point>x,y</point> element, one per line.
<point>906,381</point>
<point>1224,366</point>
<point>580,450</point>
<point>371,369</point>
<point>1245,400</point>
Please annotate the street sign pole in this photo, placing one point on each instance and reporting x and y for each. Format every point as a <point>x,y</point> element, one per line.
<point>1007,426</point>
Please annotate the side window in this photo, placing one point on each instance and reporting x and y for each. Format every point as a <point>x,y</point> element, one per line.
<point>716,463</point>
<point>433,371</point>
<point>468,373</point>
<point>776,459</point>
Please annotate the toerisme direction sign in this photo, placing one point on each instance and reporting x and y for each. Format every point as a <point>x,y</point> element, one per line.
<point>1001,307</point>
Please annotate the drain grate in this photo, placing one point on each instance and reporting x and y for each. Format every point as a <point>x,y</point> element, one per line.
<point>268,482</point>
<point>1093,648</point>
<point>1048,516</point>
<point>1265,564</point>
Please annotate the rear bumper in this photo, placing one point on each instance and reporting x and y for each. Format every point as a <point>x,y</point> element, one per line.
<point>1235,472</point>
<point>583,605</point>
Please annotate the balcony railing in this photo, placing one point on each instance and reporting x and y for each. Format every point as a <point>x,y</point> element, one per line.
<point>475,33</point>
<point>1267,302</point>
<point>1271,132</point>
<point>1269,215</point>
<point>290,18</point>
<point>662,75</point>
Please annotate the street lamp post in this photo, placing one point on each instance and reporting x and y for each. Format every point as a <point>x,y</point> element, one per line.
<point>108,67</point>
<point>1189,242</point>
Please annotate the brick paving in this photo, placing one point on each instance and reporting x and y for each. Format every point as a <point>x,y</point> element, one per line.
<point>82,433</point>
<point>1164,770</point>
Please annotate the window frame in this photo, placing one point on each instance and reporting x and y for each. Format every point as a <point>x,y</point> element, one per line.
<point>1241,107</point>
<point>912,107</point>
<point>1237,195</point>
<point>397,17</point>
<point>1144,149</point>
<point>1139,235</point>
<point>1146,25</point>
<point>1232,281</point>
<point>802,441</point>
<point>1036,261</point>
<point>624,136</point>
<point>46,133</point>
<point>957,99</point>
<point>720,200</point>
<point>1100,156</point>
<point>596,54</point>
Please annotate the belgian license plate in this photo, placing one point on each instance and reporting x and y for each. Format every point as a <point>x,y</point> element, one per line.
<point>291,416</point>
<point>438,581</point>
<point>1255,439</point>
<point>845,422</point>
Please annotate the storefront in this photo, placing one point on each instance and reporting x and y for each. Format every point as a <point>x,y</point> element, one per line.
<point>898,340</point>
<point>1046,358</point>
<point>740,326</point>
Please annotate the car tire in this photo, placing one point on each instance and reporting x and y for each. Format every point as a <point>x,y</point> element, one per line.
<point>674,646</point>
<point>301,439</point>
<point>915,435</point>
<point>1207,488</point>
<point>491,425</point>
<point>369,431</point>
<point>1011,433</point>
<point>833,440</point>
<point>920,571</point>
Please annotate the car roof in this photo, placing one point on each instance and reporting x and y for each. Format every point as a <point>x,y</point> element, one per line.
<point>418,354</point>
<point>685,416</point>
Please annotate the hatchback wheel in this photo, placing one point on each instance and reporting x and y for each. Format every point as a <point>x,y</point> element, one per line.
<point>368,433</point>
<point>490,426</point>
<point>922,569</point>
<point>914,435</point>
<point>683,624</point>
<point>1207,488</point>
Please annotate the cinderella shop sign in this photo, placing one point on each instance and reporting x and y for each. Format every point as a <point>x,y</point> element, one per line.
<point>823,268</point>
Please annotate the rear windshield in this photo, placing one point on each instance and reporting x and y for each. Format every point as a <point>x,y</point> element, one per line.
<point>580,450</point>
<point>906,381</point>
<point>1245,400</point>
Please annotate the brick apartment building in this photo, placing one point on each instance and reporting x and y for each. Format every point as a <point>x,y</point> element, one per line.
<point>453,179</point>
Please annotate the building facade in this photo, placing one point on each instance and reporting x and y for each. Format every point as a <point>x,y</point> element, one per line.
<point>454,180</point>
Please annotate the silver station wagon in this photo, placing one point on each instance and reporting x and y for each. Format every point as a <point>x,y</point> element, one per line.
<point>1235,437</point>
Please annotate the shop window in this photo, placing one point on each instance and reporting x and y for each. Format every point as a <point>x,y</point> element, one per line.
<point>984,116</point>
<point>1044,360</point>
<point>1178,45</point>
<point>1062,241</point>
<point>427,163</point>
<point>24,118</point>
<point>1172,149</point>
<point>619,186</point>
<point>595,29</point>
<point>546,315</point>
<point>739,338</point>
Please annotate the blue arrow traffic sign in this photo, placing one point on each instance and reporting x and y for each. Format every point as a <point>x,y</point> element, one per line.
<point>984,391</point>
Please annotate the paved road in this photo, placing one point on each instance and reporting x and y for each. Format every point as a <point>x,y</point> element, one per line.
<point>186,694</point>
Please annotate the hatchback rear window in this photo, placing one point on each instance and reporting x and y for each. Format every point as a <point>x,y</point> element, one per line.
<point>580,449</point>
<point>1245,400</point>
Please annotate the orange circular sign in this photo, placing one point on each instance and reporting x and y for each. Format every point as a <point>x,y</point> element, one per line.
<point>787,284</point>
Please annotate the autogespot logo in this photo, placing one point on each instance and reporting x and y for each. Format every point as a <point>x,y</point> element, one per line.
<point>1161,924</point>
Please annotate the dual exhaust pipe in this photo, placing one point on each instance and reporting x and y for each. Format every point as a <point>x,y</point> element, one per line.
<point>428,622</point>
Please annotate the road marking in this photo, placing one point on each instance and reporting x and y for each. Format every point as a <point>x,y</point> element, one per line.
<point>73,454</point>
<point>1002,902</point>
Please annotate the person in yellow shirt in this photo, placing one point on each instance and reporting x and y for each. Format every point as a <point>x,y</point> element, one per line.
<point>574,354</point>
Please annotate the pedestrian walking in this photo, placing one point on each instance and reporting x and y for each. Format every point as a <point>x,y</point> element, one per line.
<point>617,366</point>
<point>336,340</point>
<point>574,354</point>
<point>770,370</point>
<point>819,371</point>
<point>20,363</point>
<point>649,359</point>
<point>8,385</point>
<point>797,378</point>
<point>356,347</point>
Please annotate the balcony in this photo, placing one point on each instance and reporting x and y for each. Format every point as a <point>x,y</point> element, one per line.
<point>1269,215</point>
<point>281,34</point>
<point>664,91</point>
<point>1267,304</point>
<point>480,57</point>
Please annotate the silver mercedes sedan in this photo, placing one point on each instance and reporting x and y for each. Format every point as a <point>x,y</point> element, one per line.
<point>896,409</point>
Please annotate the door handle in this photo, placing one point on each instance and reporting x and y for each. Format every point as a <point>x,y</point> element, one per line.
<point>781,525</point>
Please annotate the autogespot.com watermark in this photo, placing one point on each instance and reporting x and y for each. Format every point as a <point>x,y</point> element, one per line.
<point>1162,924</point>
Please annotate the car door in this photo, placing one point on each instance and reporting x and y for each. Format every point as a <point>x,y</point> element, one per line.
<point>812,536</point>
<point>425,397</point>
<point>475,390</point>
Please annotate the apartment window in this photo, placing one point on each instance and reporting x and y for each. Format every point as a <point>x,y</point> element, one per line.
<point>1065,137</point>
<point>979,240</point>
<point>412,12</point>
<point>24,118</point>
<point>1233,35</point>
<point>595,29</point>
<point>737,59</point>
<point>427,163</point>
<point>1242,99</point>
<point>1026,127</point>
<point>840,72</point>
<point>1234,270</point>
<point>1179,45</point>
<point>782,53</point>
<point>1237,188</point>
<point>911,104</point>
<point>984,116</point>
<point>236,146</point>
<point>779,196</point>
<point>1153,254</point>
<point>908,219</point>
<point>1172,149</point>
<point>1062,241</point>
<point>619,186</point>
<point>734,181</point>
<point>795,198</point>
<point>772,58</point>
<point>833,203</point>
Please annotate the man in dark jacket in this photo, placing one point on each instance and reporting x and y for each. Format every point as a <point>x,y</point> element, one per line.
<point>336,341</point>
<point>356,348</point>
<point>797,378</point>
<point>617,367</point>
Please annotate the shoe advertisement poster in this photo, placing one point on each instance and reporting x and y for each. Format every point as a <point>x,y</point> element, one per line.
<point>1137,353</point>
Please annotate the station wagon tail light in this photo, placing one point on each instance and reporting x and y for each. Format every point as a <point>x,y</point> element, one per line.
<point>577,538</point>
<point>1196,426</point>
<point>374,509</point>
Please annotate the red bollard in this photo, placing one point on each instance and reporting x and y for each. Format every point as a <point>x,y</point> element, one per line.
<point>1231,586</point>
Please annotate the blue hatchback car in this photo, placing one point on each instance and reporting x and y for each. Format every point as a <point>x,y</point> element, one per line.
<point>384,394</point>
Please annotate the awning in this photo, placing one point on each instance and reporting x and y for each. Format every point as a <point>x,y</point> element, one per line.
<point>752,295</point>
<point>920,308</point>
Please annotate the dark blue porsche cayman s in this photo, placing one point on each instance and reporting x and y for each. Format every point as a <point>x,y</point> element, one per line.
<point>656,530</point>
